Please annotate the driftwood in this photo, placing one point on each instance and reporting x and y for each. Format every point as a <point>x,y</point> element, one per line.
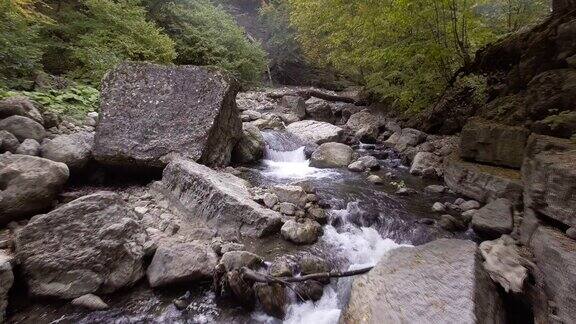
<point>252,275</point>
<point>307,93</point>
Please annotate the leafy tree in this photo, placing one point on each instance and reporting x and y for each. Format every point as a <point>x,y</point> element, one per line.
<point>92,36</point>
<point>20,45</point>
<point>205,34</point>
<point>405,51</point>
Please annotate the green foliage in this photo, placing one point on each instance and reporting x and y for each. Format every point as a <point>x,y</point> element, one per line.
<point>206,35</point>
<point>281,42</point>
<point>20,46</point>
<point>405,51</point>
<point>92,36</point>
<point>74,102</point>
<point>478,84</point>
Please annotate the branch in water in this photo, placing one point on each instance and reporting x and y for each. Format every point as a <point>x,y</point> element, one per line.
<point>263,278</point>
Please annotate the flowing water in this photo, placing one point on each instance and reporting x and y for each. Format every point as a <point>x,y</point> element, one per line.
<point>366,221</point>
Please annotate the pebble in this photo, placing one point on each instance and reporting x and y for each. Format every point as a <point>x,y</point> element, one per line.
<point>438,207</point>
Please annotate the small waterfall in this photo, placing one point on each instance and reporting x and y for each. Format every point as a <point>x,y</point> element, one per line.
<point>285,158</point>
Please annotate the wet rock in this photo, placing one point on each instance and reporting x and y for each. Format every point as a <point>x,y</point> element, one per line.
<point>28,185</point>
<point>150,111</point>
<point>489,142</point>
<point>467,216</point>
<point>549,174</point>
<point>504,264</point>
<point>235,260</point>
<point>272,298</point>
<point>370,162</point>
<point>181,263</point>
<point>280,268</point>
<point>320,110</point>
<point>23,128</point>
<point>426,221</point>
<point>75,150</point>
<point>555,256</point>
<point>296,104</point>
<point>250,115</point>
<point>289,118</point>
<point>270,199</point>
<point>435,189</point>
<point>494,219</point>
<point>363,119</point>
<point>6,281</point>
<point>408,138</point>
<point>310,264</point>
<point>290,194</point>
<point>287,208</point>
<point>231,246</point>
<point>332,155</point>
<point>315,131</point>
<point>368,134</point>
<point>450,223</point>
<point>309,290</point>
<point>405,191</point>
<point>29,147</point>
<point>92,244</point>
<point>470,204</point>
<point>424,161</point>
<point>318,214</point>
<point>571,233</point>
<point>481,182</point>
<point>269,121</point>
<point>410,282</point>
<point>375,179</point>
<point>20,106</point>
<point>306,232</point>
<point>220,199</point>
<point>438,207</point>
<point>357,166</point>
<point>251,146</point>
<point>8,142</point>
<point>90,301</point>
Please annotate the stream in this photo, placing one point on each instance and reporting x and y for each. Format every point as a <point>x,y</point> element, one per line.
<point>365,221</point>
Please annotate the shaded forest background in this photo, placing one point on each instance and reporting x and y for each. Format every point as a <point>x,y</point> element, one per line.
<point>404,52</point>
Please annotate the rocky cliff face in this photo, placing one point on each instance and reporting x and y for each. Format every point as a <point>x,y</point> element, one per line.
<point>530,81</point>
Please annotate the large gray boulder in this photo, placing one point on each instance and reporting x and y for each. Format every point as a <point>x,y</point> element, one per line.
<point>94,244</point>
<point>482,182</point>
<point>332,155</point>
<point>311,131</point>
<point>555,256</point>
<point>440,282</point>
<point>492,143</point>
<point>320,110</point>
<point>20,106</point>
<point>251,146</point>
<point>549,174</point>
<point>148,112</point>
<point>365,118</point>
<point>306,232</point>
<point>181,263</point>
<point>220,199</point>
<point>426,164</point>
<point>29,147</point>
<point>28,185</point>
<point>23,128</point>
<point>6,281</point>
<point>494,219</point>
<point>296,104</point>
<point>8,142</point>
<point>74,150</point>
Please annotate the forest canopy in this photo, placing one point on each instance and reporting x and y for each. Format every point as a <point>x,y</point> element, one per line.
<point>405,51</point>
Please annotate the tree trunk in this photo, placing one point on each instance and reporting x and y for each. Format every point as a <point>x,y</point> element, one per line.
<point>561,6</point>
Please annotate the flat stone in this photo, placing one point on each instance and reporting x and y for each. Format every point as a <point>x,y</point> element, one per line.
<point>439,282</point>
<point>150,112</point>
<point>181,263</point>
<point>493,143</point>
<point>315,131</point>
<point>290,194</point>
<point>494,219</point>
<point>219,199</point>
<point>482,182</point>
<point>90,301</point>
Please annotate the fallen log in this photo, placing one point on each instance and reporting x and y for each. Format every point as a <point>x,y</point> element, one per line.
<point>252,275</point>
<point>307,93</point>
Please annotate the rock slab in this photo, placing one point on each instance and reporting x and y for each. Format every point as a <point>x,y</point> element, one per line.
<point>440,282</point>
<point>28,185</point>
<point>149,112</point>
<point>220,199</point>
<point>93,244</point>
<point>494,219</point>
